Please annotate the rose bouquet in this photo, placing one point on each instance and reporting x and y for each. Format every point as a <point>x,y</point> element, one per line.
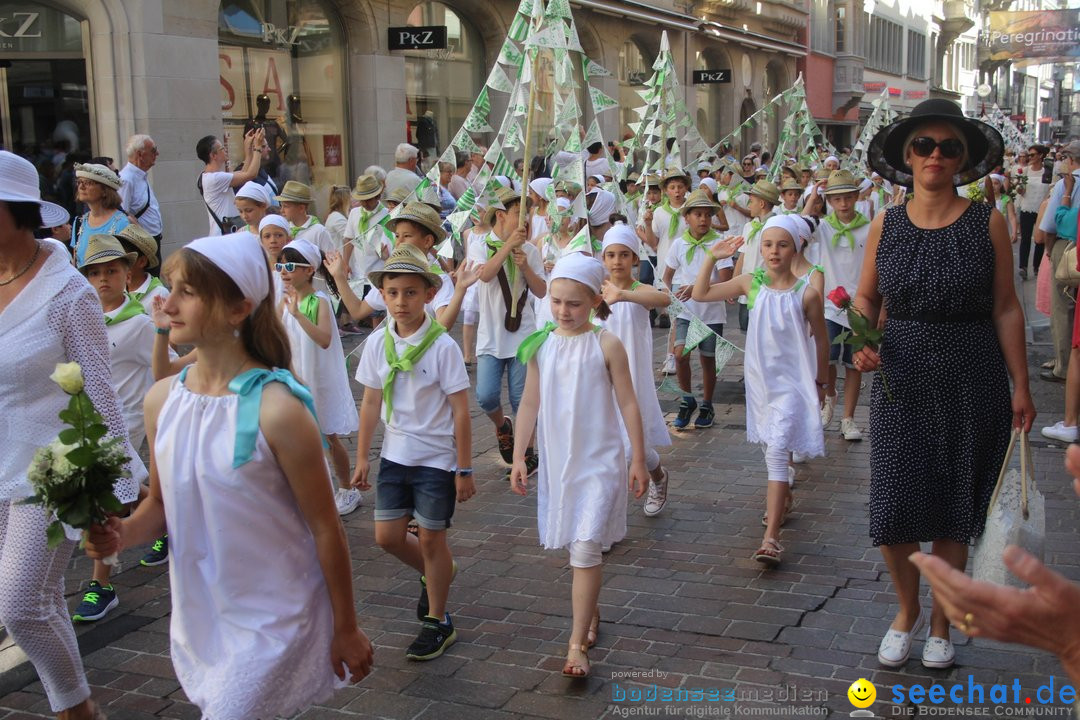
<point>861,334</point>
<point>73,476</point>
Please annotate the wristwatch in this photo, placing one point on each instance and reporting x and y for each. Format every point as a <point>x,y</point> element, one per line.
<point>464,472</point>
<point>161,331</point>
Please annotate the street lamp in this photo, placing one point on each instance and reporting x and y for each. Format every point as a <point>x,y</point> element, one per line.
<point>983,91</point>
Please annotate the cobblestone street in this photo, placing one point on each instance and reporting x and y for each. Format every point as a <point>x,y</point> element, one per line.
<point>683,605</point>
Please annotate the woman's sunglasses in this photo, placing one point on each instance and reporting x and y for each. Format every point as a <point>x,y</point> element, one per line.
<point>289,266</point>
<point>924,146</point>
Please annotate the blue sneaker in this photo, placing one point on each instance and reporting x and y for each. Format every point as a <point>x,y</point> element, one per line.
<point>158,553</point>
<point>686,411</point>
<point>433,639</point>
<point>705,417</point>
<point>96,603</point>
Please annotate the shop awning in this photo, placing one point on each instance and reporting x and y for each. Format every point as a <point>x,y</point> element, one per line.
<point>745,37</point>
<point>645,13</point>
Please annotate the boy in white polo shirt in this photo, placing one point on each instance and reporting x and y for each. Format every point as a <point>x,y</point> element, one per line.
<point>681,268</point>
<point>414,378</point>
<point>367,242</point>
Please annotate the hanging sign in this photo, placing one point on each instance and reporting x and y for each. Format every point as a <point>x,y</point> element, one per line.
<point>706,77</point>
<point>426,37</point>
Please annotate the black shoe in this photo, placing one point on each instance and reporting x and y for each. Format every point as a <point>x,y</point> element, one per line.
<point>663,322</point>
<point>532,462</point>
<point>1023,273</point>
<point>158,554</point>
<point>505,436</point>
<point>433,639</point>
<point>686,411</point>
<point>705,417</point>
<point>1049,376</point>
<point>652,318</point>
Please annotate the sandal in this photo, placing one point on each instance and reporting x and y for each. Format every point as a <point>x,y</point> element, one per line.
<point>577,669</point>
<point>787,511</point>
<point>1049,365</point>
<point>769,553</point>
<point>594,628</point>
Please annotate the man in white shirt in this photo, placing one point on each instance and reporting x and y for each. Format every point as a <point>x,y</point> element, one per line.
<point>216,182</point>
<point>1061,309</point>
<point>403,174</point>
<point>459,181</point>
<point>596,163</point>
<point>1032,192</point>
<point>135,192</point>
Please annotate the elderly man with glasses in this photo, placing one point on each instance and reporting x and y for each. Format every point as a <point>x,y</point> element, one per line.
<point>138,198</point>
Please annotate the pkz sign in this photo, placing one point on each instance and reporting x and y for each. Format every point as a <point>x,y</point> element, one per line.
<point>707,77</point>
<point>429,37</point>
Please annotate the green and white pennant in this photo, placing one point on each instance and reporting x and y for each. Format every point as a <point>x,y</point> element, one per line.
<point>601,101</point>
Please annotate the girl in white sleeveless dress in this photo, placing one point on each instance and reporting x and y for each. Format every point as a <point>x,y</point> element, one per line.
<point>578,379</point>
<point>318,360</point>
<point>263,621</point>
<point>630,303</point>
<point>783,362</point>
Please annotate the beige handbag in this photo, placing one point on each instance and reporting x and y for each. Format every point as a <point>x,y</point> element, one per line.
<point>1066,272</point>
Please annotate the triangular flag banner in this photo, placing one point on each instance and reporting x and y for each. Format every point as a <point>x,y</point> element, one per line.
<point>591,69</point>
<point>497,80</point>
<point>511,55</point>
<point>695,333</point>
<point>519,28</point>
<point>464,142</point>
<point>476,123</point>
<point>601,101</point>
<point>483,103</point>
<point>593,135</point>
<point>580,242</point>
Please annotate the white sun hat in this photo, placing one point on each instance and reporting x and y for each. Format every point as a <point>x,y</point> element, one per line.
<point>19,183</point>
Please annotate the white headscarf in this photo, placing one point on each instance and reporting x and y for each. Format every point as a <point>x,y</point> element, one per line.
<point>311,253</point>
<point>709,183</point>
<point>586,270</point>
<point>602,208</point>
<point>540,186</point>
<point>622,234</point>
<point>563,203</point>
<point>793,225</point>
<point>241,257</point>
<point>254,191</point>
<point>275,220</point>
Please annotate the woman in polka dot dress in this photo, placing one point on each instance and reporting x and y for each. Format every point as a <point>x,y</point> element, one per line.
<point>941,267</point>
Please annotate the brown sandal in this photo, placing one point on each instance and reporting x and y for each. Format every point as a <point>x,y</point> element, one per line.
<point>594,629</point>
<point>575,669</point>
<point>769,553</point>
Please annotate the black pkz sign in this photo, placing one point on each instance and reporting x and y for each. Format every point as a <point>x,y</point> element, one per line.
<point>427,37</point>
<point>706,77</point>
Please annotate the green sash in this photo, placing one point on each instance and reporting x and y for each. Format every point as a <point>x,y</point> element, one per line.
<point>758,278</point>
<point>154,283</point>
<point>309,308</point>
<point>531,345</point>
<point>130,309</point>
<point>406,362</point>
<point>311,222</point>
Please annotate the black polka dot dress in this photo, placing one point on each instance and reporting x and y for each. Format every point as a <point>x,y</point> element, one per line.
<point>938,443</point>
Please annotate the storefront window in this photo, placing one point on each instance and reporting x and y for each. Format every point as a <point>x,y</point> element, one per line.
<point>633,72</point>
<point>441,85</point>
<point>44,103</point>
<point>714,100</point>
<point>281,68</point>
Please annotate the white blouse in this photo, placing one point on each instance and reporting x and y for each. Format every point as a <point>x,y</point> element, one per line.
<point>56,318</point>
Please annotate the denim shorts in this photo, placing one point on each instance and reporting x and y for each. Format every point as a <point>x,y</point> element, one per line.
<point>427,494</point>
<point>838,353</point>
<point>708,346</point>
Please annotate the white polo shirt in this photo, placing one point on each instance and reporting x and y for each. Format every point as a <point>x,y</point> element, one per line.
<point>421,429</point>
<point>843,264</point>
<point>218,193</point>
<point>368,245</point>
<point>686,273</point>
<point>492,337</point>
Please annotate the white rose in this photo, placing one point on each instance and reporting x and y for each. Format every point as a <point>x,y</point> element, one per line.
<point>69,377</point>
<point>60,463</point>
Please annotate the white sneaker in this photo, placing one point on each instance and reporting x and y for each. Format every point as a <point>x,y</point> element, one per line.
<point>657,497</point>
<point>849,431</point>
<point>347,500</point>
<point>1061,432</point>
<point>798,458</point>
<point>669,365</point>
<point>895,648</point>
<point>827,410</point>
<point>938,652</point>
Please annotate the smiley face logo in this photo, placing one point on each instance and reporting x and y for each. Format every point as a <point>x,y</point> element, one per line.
<point>862,693</point>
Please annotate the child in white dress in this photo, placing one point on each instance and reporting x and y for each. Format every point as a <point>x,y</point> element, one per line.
<point>236,461</point>
<point>318,358</point>
<point>630,303</point>
<point>578,376</point>
<point>782,364</point>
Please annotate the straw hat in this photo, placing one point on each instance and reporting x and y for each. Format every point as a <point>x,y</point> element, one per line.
<point>698,199</point>
<point>790,184</point>
<point>674,173</point>
<point>99,174</point>
<point>399,195</point>
<point>650,181</point>
<point>103,248</point>
<point>506,198</point>
<point>765,190</point>
<point>367,187</point>
<point>21,185</point>
<point>142,241</point>
<point>296,192</point>
<point>421,214</point>
<point>985,147</point>
<point>406,260</point>
<point>840,182</point>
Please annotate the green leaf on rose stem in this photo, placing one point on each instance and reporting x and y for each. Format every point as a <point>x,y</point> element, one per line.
<point>87,406</point>
<point>69,436</point>
<point>73,404</point>
<point>110,503</point>
<point>95,432</point>
<point>859,326</point>
<point>54,534</point>
<point>69,416</point>
<point>82,457</point>
<point>842,337</point>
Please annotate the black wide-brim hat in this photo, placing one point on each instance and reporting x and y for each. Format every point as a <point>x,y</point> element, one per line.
<point>985,147</point>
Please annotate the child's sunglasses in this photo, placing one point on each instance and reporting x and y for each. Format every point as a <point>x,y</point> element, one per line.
<point>289,266</point>
<point>950,148</point>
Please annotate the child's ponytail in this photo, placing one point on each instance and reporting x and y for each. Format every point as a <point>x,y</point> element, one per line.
<point>602,311</point>
<point>264,336</point>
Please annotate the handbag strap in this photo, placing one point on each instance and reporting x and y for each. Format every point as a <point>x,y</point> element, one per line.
<point>1004,469</point>
<point>1025,468</point>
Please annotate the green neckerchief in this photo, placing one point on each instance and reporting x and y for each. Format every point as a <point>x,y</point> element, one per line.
<point>130,309</point>
<point>673,224</point>
<point>694,244</point>
<point>881,195</point>
<point>531,344</point>
<point>365,218</point>
<point>406,362</point>
<point>494,244</point>
<point>309,308</point>
<point>634,285</point>
<point>154,284</point>
<point>311,222</point>
<point>755,227</point>
<point>843,230</point>
<point>757,279</point>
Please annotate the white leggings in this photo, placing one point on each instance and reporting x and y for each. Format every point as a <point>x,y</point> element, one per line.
<point>32,604</point>
<point>585,554</point>
<point>652,458</point>
<point>776,461</point>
